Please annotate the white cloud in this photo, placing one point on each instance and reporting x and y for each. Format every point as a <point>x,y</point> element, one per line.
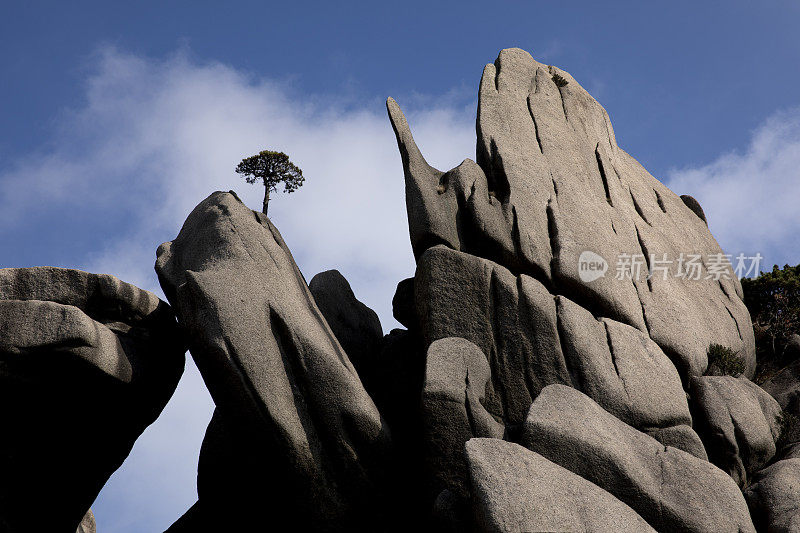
<point>751,198</point>
<point>156,137</point>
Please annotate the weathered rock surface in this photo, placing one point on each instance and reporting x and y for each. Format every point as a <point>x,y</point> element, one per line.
<point>551,183</point>
<point>774,497</point>
<point>672,490</point>
<point>356,326</point>
<point>87,524</point>
<point>681,437</point>
<point>737,421</point>
<point>456,376</point>
<point>515,489</point>
<point>87,362</point>
<point>278,375</point>
<point>533,339</point>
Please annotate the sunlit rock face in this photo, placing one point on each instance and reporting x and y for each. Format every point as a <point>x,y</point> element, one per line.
<point>549,184</point>
<point>566,264</point>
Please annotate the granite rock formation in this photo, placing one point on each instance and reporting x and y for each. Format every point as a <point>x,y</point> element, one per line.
<point>552,374</point>
<point>290,400</point>
<point>87,362</point>
<point>550,183</point>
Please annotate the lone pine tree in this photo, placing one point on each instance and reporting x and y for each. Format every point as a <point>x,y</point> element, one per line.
<point>271,168</point>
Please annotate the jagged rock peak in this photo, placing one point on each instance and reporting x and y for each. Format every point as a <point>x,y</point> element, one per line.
<point>549,185</point>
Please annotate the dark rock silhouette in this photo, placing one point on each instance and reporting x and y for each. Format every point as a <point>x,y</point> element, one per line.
<point>403,304</point>
<point>356,326</point>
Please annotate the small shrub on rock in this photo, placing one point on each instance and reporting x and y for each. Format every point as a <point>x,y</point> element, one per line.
<point>722,361</point>
<point>559,80</point>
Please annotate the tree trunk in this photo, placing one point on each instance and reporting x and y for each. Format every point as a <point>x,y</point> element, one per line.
<point>266,199</point>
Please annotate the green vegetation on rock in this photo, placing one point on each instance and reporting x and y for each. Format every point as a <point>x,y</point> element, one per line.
<point>722,361</point>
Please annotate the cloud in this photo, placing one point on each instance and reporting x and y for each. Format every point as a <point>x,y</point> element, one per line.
<point>750,197</point>
<point>155,137</point>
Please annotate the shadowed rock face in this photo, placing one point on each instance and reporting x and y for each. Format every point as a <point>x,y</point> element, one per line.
<point>774,497</point>
<point>356,326</point>
<point>280,379</point>
<point>452,412</point>
<point>87,362</point>
<point>550,183</point>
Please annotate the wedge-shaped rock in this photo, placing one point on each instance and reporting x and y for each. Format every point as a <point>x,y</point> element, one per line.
<point>551,183</point>
<point>87,362</point>
<point>515,489</point>
<point>274,368</point>
<point>774,497</point>
<point>672,490</point>
<point>738,422</point>
<point>456,376</point>
<point>533,339</point>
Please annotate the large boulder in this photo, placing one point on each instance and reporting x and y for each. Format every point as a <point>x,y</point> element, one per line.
<point>356,326</point>
<point>87,362</point>
<point>738,422</point>
<point>533,339</point>
<point>774,497</point>
<point>515,489</point>
<point>550,185</point>
<point>671,489</point>
<point>277,373</point>
<point>456,376</point>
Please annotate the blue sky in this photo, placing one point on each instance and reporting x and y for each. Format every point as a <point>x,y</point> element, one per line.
<point>118,118</point>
